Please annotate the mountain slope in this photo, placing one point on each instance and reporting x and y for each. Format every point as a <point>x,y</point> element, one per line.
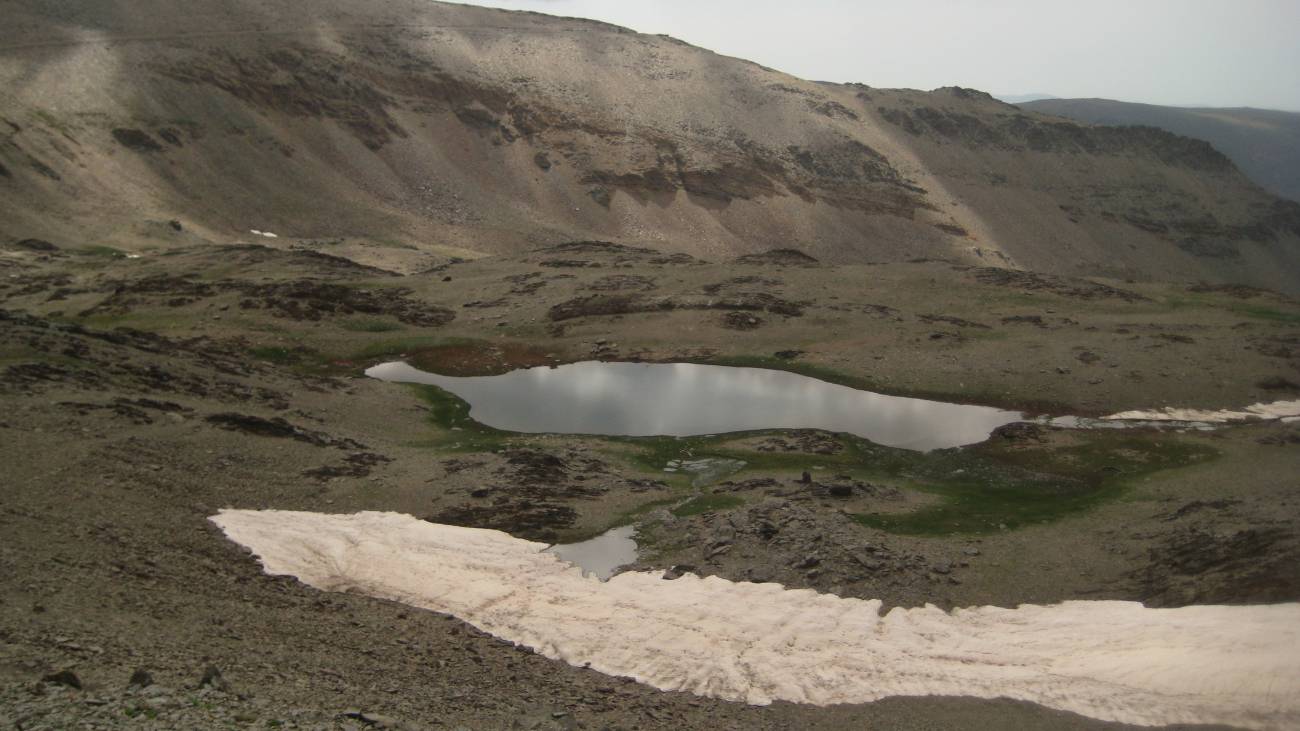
<point>1264,143</point>
<point>462,130</point>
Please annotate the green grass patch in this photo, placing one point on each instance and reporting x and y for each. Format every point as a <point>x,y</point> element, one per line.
<point>707,504</point>
<point>1259,312</point>
<point>982,488</point>
<point>652,453</point>
<point>300,359</point>
<point>275,354</point>
<point>993,487</point>
<point>631,516</point>
<point>106,252</point>
<point>397,347</point>
<point>450,413</point>
<point>1241,309</point>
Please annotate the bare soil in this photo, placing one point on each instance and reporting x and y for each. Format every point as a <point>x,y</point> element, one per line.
<point>140,397</point>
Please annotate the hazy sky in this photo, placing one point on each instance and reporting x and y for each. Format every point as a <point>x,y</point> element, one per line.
<point>1180,52</point>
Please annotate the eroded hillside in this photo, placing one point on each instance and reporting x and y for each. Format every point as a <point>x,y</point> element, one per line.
<point>454,130</point>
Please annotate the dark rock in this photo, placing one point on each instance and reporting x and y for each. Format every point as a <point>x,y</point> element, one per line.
<point>140,679</point>
<point>171,136</point>
<point>740,283</point>
<point>65,678</point>
<point>357,464</point>
<point>808,441</point>
<point>1278,383</point>
<point>779,257</point>
<point>212,678</point>
<point>478,118</point>
<point>757,483</point>
<point>536,520</point>
<point>542,160</point>
<point>840,490</point>
<point>806,478</point>
<point>1196,506</point>
<point>176,225</point>
<point>1021,431</point>
<point>600,195</point>
<point>372,720</point>
<point>279,428</point>
<point>534,465</point>
<point>1281,440</point>
<point>949,319</point>
<point>35,245</point>
<point>1195,565</point>
<point>787,354</point>
<point>678,571</point>
<point>807,562</point>
<point>627,304</point>
<point>741,321</point>
<point>1033,281</point>
<point>622,282</point>
<point>1240,291</point>
<point>137,140</point>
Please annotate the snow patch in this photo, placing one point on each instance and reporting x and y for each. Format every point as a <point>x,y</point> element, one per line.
<point>1275,410</point>
<point>758,643</point>
<point>265,234</point>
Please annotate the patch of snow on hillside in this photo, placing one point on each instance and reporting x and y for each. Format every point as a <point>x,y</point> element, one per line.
<point>758,643</point>
<point>1270,411</point>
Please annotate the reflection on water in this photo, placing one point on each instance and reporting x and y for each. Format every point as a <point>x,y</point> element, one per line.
<point>601,555</point>
<point>681,399</point>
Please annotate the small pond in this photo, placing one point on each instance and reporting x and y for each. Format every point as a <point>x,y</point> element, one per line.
<point>687,399</point>
<point>601,555</point>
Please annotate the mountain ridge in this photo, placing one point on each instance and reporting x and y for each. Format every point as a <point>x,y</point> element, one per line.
<point>1263,143</point>
<point>469,131</point>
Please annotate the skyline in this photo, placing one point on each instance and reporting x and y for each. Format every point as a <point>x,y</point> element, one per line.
<point>1186,53</point>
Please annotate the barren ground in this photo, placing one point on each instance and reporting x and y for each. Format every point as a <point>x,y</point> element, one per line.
<point>142,394</point>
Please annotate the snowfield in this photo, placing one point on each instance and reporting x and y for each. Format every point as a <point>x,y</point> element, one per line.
<point>758,643</point>
<point>1283,410</point>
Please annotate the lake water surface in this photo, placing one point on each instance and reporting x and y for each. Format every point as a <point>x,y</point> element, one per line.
<point>685,399</point>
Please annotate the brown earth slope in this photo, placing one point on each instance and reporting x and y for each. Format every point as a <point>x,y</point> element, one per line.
<point>464,130</point>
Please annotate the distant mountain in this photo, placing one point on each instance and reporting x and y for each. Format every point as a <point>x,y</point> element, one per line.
<point>1023,98</point>
<point>1264,143</point>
